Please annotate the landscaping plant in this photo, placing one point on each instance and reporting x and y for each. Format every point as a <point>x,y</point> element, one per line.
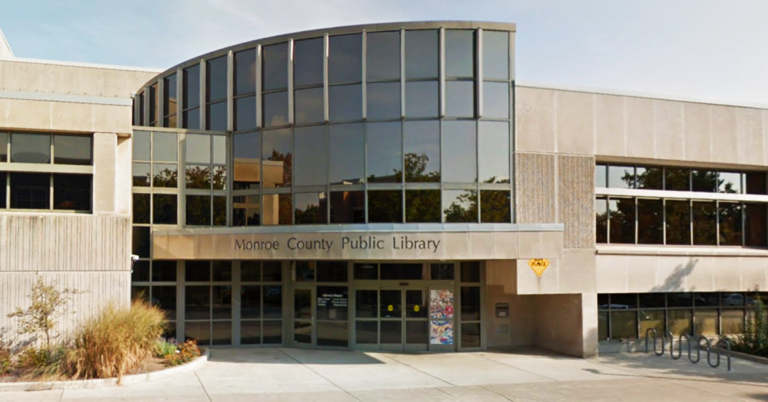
<point>754,340</point>
<point>174,355</point>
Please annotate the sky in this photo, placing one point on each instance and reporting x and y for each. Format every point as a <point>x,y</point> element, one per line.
<point>702,49</point>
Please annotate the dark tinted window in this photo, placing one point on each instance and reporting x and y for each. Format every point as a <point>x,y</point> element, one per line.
<point>366,271</point>
<point>704,180</point>
<point>217,116</point>
<point>652,300</point>
<point>164,207</point>
<point>402,271</point>
<point>141,208</point>
<point>308,104</point>
<point>383,101</point>
<point>278,209</point>
<point>421,99</point>
<point>275,69</point>
<point>72,150</point>
<point>247,152</point>
<point>216,78</point>
<point>169,100</point>
<point>276,109</point>
<point>421,54</point>
<point>460,205</point>
<point>192,119</point>
<point>678,215</point>
<point>198,177</point>
<point>442,272</point>
<point>246,211</point>
<point>496,100</point>
<point>495,55</point>
<point>30,190</point>
<point>345,59</point>
<point>278,158</point>
<point>704,223</point>
<point>347,146</point>
<point>347,207</point>
<point>422,151</point>
<point>459,53</point>
<point>140,241</point>
<point>601,220</point>
<point>650,221</point>
<point>30,148</point>
<point>650,178</point>
<point>459,153</point>
<point>3,147</point>
<point>494,206</point>
<point>345,102</point>
<point>676,179</point>
<point>141,175</point>
<point>470,271</point>
<point>493,142</point>
<point>730,223</point>
<point>154,104</point>
<point>245,113</point>
<point>308,63</point>
<point>385,206</point>
<point>385,162</point>
<point>191,92</point>
<point>755,181</point>
<point>310,208</point>
<point>311,160</point>
<point>331,271</point>
<point>755,225</point>
<point>460,99</point>
<point>245,72</point>
<point>622,216</point>
<point>422,206</point>
<point>198,210</point>
<point>72,192</point>
<point>165,175</point>
<point>383,56</point>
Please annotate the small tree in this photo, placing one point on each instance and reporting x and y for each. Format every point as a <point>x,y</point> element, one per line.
<point>754,340</point>
<point>48,304</point>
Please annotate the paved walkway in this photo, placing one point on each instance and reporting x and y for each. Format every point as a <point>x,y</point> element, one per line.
<point>235,375</point>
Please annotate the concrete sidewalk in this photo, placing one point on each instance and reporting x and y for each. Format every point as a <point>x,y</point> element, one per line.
<point>285,374</point>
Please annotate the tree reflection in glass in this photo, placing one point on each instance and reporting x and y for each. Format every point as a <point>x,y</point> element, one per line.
<point>198,177</point>
<point>495,206</point>
<point>460,205</point>
<point>704,223</point>
<point>422,206</point>
<point>622,220</point>
<point>165,176</point>
<point>648,178</point>
<point>385,206</point>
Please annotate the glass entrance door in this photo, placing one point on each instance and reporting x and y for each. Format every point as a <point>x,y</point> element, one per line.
<point>392,319</point>
<point>303,317</point>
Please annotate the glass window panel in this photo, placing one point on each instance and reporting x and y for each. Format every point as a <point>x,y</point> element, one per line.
<point>164,297</point>
<point>732,299</point>
<point>422,206</point>
<point>652,300</point>
<point>72,150</point>
<point>219,177</point>
<point>496,100</point>
<point>169,96</point>
<point>460,99</point>
<point>332,303</point>
<point>245,113</point>
<point>391,332</point>
<point>732,321</point>
<point>601,220</point>
<point>273,301</point>
<point>459,152</point>
<point>678,222</point>
<point>278,158</point>
<point>30,148</point>
<point>347,207</point>
<point>164,209</point>
<point>30,190</point>
<point>140,272</point>
<point>755,181</point>
<point>622,220</point>
<point>470,303</point>
<point>650,221</point>
<point>170,121</point>
<point>275,66</point>
<point>494,206</point>
<point>621,176</point>
<point>347,148</point>
<point>165,175</point>
<point>276,109</point>
<point>390,304</point>
<point>198,147</point>
<point>219,211</point>
<point>730,223</point>
<point>367,271</point>
<point>383,101</point>
<point>310,208</point>
<point>219,149</point>
<point>154,105</point>
<point>222,333</point>
<point>72,191</point>
<point>704,223</point>
<point>706,299</point>
<point>247,153</point>
<point>250,332</point>
<point>245,72</point>
<point>678,299</point>
<point>217,116</point>
<point>165,147</point>
<point>197,271</point>
<point>366,332</point>
<point>273,332</point>
<point>309,106</point>
<point>459,53</point>
<point>345,59</point>
<point>140,208</point>
<point>332,334</point>
<point>675,179</point>
<point>385,206</point>
<point>141,109</point>
<point>197,303</point>
<point>421,56</point>
<point>192,119</point>
<point>706,322</point>
<point>385,162</point>
<point>383,56</point>
<point>3,190</point>
<point>422,151</point>
<point>495,55</point>
<point>729,182</point>
<point>442,271</point>
<point>246,211</point>
<point>470,335</point>
<point>308,62</point>
<point>651,319</point>
<point>494,152</point>
<point>278,209</point>
<point>4,147</point>
<point>345,102</point>
<point>222,302</point>
<point>191,92</point>
<point>601,176</point>
<point>163,271</point>
<point>140,241</point>
<point>331,271</point>
<point>421,99</point>
<point>652,178</point>
<point>216,78</point>
<point>623,301</point>
<point>311,159</point>
<point>141,145</point>
<point>200,332</point>
<point>272,271</point>
<point>198,210</point>
<point>623,324</point>
<point>704,180</point>
<point>250,271</point>
<point>460,206</point>
<point>302,299</point>
<point>755,225</point>
<point>470,271</point>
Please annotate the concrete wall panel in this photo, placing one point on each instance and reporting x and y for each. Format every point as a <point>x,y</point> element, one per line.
<point>576,186</point>
<point>668,130</point>
<point>639,127</point>
<point>698,131</point>
<point>724,135</point>
<point>750,136</point>
<point>535,119</point>
<point>535,188</point>
<point>574,122</point>
<point>610,134</point>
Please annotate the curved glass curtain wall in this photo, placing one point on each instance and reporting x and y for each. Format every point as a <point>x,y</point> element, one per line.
<point>380,127</point>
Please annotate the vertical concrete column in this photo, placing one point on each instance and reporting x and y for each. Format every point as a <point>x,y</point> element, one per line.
<point>123,179</point>
<point>104,161</point>
<point>589,324</point>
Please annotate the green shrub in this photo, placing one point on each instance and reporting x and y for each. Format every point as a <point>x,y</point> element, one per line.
<point>754,340</point>
<point>165,347</point>
<point>185,352</point>
<point>115,342</point>
<point>6,362</point>
<point>41,363</point>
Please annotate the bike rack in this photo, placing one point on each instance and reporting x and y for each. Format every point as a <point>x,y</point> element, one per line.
<point>697,345</point>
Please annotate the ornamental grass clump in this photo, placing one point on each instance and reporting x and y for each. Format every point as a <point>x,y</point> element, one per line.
<point>115,342</point>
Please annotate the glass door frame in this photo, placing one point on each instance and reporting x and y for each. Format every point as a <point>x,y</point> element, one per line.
<point>308,286</point>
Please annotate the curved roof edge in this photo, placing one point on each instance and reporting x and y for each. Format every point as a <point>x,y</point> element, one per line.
<point>640,94</point>
<point>348,29</point>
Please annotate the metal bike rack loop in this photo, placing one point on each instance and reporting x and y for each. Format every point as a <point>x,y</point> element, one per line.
<point>693,342</point>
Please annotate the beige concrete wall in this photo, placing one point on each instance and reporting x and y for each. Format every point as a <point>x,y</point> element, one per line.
<point>565,323</point>
<point>631,127</point>
<point>514,330</point>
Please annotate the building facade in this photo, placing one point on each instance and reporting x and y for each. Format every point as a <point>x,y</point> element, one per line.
<point>391,187</point>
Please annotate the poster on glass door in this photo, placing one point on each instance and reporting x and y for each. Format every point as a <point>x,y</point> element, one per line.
<point>441,317</point>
